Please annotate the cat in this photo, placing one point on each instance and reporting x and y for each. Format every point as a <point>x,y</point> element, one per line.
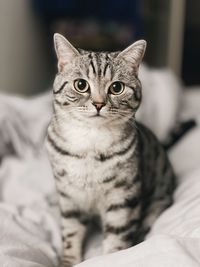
<point>105,163</point>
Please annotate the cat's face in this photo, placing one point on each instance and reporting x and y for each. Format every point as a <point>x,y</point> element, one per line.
<point>98,87</point>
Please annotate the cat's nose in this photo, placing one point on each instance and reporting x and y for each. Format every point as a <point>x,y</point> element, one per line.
<point>98,106</point>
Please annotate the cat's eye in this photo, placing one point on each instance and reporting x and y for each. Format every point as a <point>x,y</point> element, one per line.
<point>116,88</point>
<point>81,85</point>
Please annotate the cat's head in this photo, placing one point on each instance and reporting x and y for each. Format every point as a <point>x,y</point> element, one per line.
<point>98,87</point>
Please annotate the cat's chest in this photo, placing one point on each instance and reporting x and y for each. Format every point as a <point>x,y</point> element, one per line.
<point>89,155</point>
<point>83,166</point>
<point>88,141</point>
<point>86,171</point>
<point>92,154</point>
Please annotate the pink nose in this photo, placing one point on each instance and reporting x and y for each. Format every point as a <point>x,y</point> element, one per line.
<point>98,106</point>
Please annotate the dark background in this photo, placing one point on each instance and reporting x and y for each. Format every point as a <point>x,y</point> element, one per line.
<point>141,19</point>
<point>28,63</point>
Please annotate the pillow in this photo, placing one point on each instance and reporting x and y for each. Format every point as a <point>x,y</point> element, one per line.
<point>161,98</point>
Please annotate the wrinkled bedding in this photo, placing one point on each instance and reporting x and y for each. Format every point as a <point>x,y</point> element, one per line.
<point>29,217</point>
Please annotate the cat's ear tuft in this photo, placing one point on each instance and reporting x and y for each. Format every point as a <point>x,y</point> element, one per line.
<point>64,50</point>
<point>134,53</point>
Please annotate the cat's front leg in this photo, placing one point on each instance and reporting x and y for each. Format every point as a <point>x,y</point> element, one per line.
<point>120,221</point>
<point>73,230</point>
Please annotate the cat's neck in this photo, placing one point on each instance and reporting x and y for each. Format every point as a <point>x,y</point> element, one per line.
<point>83,137</point>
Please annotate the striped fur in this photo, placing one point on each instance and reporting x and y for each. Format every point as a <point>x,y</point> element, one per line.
<point>104,162</point>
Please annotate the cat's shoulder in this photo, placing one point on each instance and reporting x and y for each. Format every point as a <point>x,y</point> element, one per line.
<point>145,133</point>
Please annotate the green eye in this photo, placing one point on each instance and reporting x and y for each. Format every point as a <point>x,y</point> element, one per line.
<point>81,85</point>
<point>116,88</point>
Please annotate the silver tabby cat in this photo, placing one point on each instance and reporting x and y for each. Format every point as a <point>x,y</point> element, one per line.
<point>105,164</point>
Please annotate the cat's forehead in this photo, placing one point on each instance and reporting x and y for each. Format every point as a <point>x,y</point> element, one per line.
<point>101,66</point>
<point>102,55</point>
<point>97,58</point>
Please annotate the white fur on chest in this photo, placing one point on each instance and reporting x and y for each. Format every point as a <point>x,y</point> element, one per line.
<point>88,138</point>
<point>86,172</point>
<point>88,143</point>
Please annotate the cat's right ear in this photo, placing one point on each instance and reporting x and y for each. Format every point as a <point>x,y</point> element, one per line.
<point>134,53</point>
<point>64,50</point>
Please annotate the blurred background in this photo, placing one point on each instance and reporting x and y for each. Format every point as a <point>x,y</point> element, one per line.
<point>27,59</point>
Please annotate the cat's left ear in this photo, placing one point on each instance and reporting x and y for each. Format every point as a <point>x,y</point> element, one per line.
<point>134,53</point>
<point>65,51</point>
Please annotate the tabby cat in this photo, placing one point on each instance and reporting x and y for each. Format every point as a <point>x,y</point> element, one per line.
<point>105,163</point>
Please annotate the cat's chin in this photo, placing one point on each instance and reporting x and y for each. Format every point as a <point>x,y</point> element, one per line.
<point>98,116</point>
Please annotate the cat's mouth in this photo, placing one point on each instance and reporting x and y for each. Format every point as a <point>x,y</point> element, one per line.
<point>97,115</point>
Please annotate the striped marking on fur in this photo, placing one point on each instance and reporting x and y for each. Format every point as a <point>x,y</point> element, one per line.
<point>61,150</point>
<point>122,152</point>
<point>129,203</point>
<point>122,183</point>
<point>61,88</point>
<point>61,103</point>
<point>71,234</point>
<point>109,179</point>
<point>71,214</point>
<point>63,194</point>
<point>120,229</point>
<point>105,69</point>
